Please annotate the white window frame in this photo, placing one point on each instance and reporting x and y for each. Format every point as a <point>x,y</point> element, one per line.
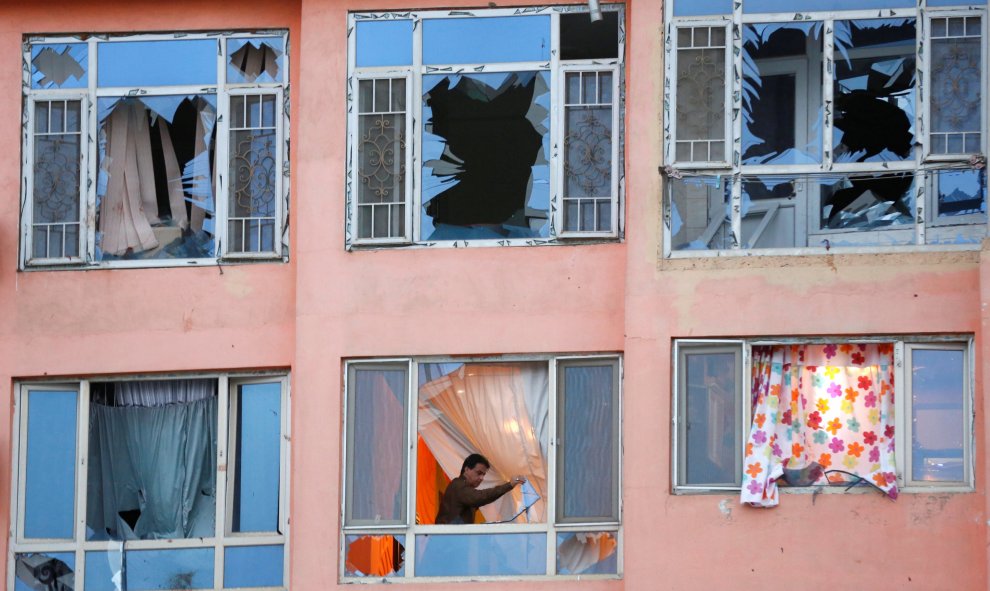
<point>902,408</point>
<point>414,164</point>
<point>89,165</point>
<point>916,236</point>
<point>227,384</point>
<point>407,530</point>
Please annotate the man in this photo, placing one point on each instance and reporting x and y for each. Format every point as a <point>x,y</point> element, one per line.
<point>462,497</point>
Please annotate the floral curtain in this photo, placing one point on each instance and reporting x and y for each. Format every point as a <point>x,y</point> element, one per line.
<point>818,408</point>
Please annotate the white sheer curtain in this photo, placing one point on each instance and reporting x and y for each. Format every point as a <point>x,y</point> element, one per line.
<point>500,411</point>
<point>152,460</point>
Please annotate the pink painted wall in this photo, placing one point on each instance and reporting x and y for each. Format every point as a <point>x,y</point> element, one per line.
<point>328,305</point>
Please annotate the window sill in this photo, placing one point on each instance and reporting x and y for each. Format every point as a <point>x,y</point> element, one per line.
<point>558,241</point>
<point>155,264</point>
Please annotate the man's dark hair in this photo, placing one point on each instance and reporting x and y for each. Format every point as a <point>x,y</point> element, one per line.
<point>473,460</point>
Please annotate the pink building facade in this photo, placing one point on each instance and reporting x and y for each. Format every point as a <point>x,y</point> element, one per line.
<point>283,306</point>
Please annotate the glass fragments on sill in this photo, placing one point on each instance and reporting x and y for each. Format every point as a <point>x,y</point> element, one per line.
<point>485,168</point>
<point>155,186</point>
<point>374,556</point>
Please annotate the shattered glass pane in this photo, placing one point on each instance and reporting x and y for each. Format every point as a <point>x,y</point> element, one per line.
<point>956,94</point>
<point>45,571</point>
<point>874,90</point>
<point>781,93</point>
<point>381,169</point>
<point>486,40</point>
<point>481,554</point>
<point>57,144</point>
<point>700,94</point>
<point>587,553</point>
<point>383,43</point>
<point>253,566</point>
<point>485,145</point>
<point>712,413</point>
<point>699,213</point>
<point>587,484</point>
<point>155,184</point>
<point>867,202</point>
<point>157,63</point>
<point>49,505</point>
<point>254,170</point>
<point>937,415</point>
<point>62,65</point>
<point>257,458</point>
<point>374,556</point>
<point>772,211</point>
<point>588,152</point>
<point>961,192</point>
<point>583,39</point>
<point>258,59</point>
<point>160,570</point>
<point>377,446</point>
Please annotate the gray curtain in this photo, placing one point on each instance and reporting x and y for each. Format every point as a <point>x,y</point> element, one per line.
<point>152,461</point>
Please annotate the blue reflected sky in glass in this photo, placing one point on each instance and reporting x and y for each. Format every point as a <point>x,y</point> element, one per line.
<point>157,63</point>
<point>60,65</point>
<point>702,7</point>
<point>259,432</point>
<point>50,480</point>
<point>36,560</point>
<point>433,147</point>
<point>383,43</point>
<point>101,567</point>
<point>753,6</point>
<point>486,40</point>
<point>961,192</point>
<point>577,553</point>
<point>253,566</point>
<point>481,554</point>
<point>431,371</point>
<point>236,76</point>
<point>937,423</point>
<point>186,568</point>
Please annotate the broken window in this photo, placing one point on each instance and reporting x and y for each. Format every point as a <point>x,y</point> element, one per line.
<point>781,120</point>
<point>821,414</point>
<point>149,451</point>
<point>826,126</point>
<point>503,410</point>
<point>480,168</point>
<point>155,191</point>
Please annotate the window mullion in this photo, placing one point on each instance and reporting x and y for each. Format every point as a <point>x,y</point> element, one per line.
<point>82,445</point>
<point>223,461</point>
<point>551,492</point>
<point>557,117</point>
<point>412,378</point>
<point>414,110</point>
<point>221,167</point>
<point>902,412</point>
<point>828,99</point>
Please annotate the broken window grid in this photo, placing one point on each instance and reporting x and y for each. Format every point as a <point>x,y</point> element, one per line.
<point>57,141</point>
<point>253,174</point>
<point>381,157</point>
<point>588,124</point>
<point>956,74</point>
<point>509,196</point>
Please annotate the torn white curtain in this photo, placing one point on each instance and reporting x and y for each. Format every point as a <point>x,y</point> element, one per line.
<point>499,410</point>
<point>154,461</point>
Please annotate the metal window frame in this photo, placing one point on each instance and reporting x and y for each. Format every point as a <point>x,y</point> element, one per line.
<point>407,531</point>
<point>922,165</point>
<point>902,403</point>
<point>414,106</point>
<point>90,169</point>
<point>226,383</point>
